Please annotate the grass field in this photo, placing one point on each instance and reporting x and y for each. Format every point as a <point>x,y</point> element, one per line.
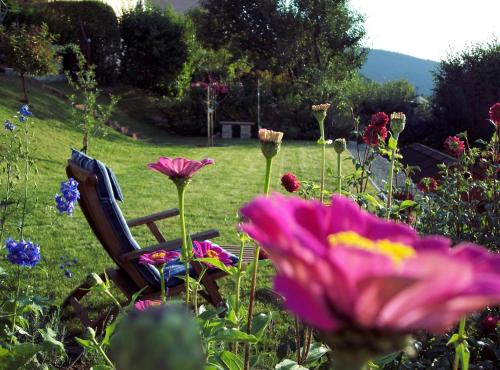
<point>213,198</point>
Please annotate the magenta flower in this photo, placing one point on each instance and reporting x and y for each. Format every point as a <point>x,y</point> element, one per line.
<point>158,258</point>
<point>179,168</point>
<point>207,249</point>
<point>454,145</point>
<point>340,267</point>
<point>145,304</point>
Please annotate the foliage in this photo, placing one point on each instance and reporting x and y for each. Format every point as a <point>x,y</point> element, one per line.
<point>155,48</point>
<point>467,84</point>
<point>91,24</point>
<point>88,111</point>
<point>30,51</point>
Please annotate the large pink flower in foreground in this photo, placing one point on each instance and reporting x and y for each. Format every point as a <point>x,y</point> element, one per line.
<point>179,168</point>
<point>340,267</point>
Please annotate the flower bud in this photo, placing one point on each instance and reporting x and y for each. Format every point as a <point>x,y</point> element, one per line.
<point>339,145</point>
<point>270,142</point>
<point>94,280</point>
<point>398,123</point>
<point>90,333</point>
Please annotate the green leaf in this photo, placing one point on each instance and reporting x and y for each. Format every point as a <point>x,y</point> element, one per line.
<point>407,203</point>
<point>50,341</point>
<point>19,356</point>
<point>453,339</point>
<point>85,343</point>
<point>217,263</point>
<point>386,360</point>
<point>289,365</point>
<point>232,361</point>
<point>101,367</point>
<point>234,335</point>
<point>259,324</point>
<point>316,351</point>
<point>109,331</point>
<point>392,144</point>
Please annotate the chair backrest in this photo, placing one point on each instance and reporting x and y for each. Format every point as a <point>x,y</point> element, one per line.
<point>99,193</point>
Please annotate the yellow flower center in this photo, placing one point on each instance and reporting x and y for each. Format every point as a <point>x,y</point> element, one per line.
<point>158,255</point>
<point>397,252</point>
<point>212,254</point>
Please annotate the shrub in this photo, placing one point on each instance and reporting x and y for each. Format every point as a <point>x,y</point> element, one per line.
<point>466,85</point>
<point>77,22</point>
<point>154,48</point>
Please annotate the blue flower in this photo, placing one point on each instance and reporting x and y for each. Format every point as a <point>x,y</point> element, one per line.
<point>9,125</point>
<point>63,206</point>
<point>25,111</point>
<point>24,253</point>
<point>65,203</point>
<point>22,119</point>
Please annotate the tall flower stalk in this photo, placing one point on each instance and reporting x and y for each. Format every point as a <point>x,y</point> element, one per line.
<point>319,112</point>
<point>180,171</point>
<point>398,122</point>
<point>339,145</point>
<point>270,144</point>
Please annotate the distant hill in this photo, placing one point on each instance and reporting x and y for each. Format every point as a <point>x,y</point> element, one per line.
<point>382,66</point>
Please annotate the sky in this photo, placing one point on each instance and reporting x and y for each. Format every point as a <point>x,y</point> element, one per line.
<point>428,29</point>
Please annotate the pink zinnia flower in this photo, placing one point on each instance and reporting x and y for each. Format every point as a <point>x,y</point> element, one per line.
<point>373,134</point>
<point>379,119</point>
<point>340,267</point>
<point>207,249</point>
<point>145,304</point>
<point>158,258</point>
<point>290,182</point>
<point>179,168</point>
<point>495,114</point>
<point>454,145</point>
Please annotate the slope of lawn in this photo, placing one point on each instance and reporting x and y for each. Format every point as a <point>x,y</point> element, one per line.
<point>213,198</point>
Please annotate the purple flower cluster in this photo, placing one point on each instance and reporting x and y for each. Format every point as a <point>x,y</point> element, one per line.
<point>23,253</point>
<point>65,203</point>
<point>9,125</point>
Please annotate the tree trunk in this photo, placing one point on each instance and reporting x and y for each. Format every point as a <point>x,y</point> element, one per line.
<point>23,80</point>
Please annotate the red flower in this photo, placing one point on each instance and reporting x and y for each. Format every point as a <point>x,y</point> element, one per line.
<point>427,185</point>
<point>379,119</point>
<point>454,145</point>
<point>290,182</point>
<point>495,114</point>
<point>490,323</point>
<point>373,134</point>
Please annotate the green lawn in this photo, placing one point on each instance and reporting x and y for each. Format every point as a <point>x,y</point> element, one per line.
<point>213,198</point>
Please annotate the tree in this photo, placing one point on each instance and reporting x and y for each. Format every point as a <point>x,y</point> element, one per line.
<point>154,47</point>
<point>315,44</point>
<point>30,50</point>
<point>467,84</point>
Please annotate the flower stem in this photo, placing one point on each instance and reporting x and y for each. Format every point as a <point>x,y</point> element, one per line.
<point>269,162</point>
<point>198,281</point>
<point>14,315</point>
<point>238,276</point>
<point>339,173</point>
<point>185,255</point>
<point>162,284</point>
<point>26,178</point>
<point>323,167</point>
<point>461,338</point>
<point>103,354</point>
<point>269,165</point>
<point>391,179</point>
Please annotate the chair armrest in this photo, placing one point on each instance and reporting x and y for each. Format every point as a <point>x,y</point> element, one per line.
<point>170,245</point>
<point>154,217</point>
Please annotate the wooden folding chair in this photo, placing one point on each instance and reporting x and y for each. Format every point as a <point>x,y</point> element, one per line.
<point>99,193</point>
